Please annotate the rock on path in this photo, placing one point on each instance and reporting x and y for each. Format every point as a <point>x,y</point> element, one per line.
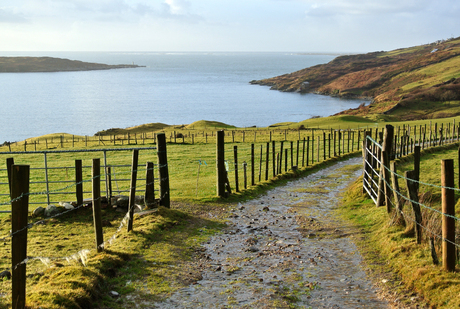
<point>284,250</point>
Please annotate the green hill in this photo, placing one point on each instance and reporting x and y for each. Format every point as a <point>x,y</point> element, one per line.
<point>420,82</point>
<point>49,64</point>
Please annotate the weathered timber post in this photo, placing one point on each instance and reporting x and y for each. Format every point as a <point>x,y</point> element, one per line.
<point>417,164</point>
<point>132,189</point>
<point>235,159</point>
<point>149,196</point>
<point>297,153</point>
<point>221,177</point>
<point>292,154</point>
<point>109,182</point>
<point>448,218</point>
<point>9,164</point>
<point>163,172</point>
<point>79,182</point>
<point>303,152</point>
<point>387,147</point>
<point>267,160</point>
<point>253,176</point>
<point>399,204</point>
<point>285,160</point>
<point>280,169</point>
<point>274,158</point>
<point>97,216</point>
<point>245,175</point>
<point>260,162</point>
<point>20,175</point>
<point>413,196</point>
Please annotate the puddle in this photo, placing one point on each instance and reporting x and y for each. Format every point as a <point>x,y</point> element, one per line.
<point>284,250</point>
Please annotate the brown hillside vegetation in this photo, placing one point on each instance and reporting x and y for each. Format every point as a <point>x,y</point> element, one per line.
<point>412,83</point>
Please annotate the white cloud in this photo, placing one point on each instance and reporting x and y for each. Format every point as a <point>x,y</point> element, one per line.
<point>10,16</point>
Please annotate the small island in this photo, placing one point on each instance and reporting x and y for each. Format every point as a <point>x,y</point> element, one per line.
<point>50,64</point>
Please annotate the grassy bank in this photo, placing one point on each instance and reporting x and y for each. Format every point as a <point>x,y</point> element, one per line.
<point>398,263</point>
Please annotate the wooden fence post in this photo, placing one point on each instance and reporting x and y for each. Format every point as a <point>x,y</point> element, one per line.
<point>20,175</point>
<point>448,210</point>
<point>132,189</point>
<point>297,153</point>
<point>9,164</point>
<point>109,183</point>
<point>253,181</point>
<point>280,169</point>
<point>149,197</point>
<point>245,175</point>
<point>396,192</point>
<point>97,216</point>
<point>285,160</point>
<point>260,162</point>
<point>303,152</point>
<point>235,159</point>
<point>413,195</point>
<point>79,182</point>
<point>274,158</point>
<point>267,159</point>
<point>221,163</point>
<point>163,172</point>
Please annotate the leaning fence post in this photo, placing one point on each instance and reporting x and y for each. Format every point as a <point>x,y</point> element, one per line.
<point>132,189</point>
<point>448,210</point>
<point>221,179</point>
<point>97,216</point>
<point>9,164</point>
<point>396,192</point>
<point>149,197</point>
<point>413,195</point>
<point>19,212</point>
<point>79,182</point>
<point>163,170</point>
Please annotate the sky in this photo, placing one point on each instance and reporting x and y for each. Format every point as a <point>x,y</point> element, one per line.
<point>225,25</point>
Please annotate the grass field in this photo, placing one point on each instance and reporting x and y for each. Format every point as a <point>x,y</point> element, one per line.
<point>156,255</point>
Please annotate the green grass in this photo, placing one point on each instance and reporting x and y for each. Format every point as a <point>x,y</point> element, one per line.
<point>391,249</point>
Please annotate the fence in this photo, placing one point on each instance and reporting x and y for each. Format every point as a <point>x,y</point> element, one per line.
<point>263,161</point>
<point>381,182</point>
<point>50,173</point>
<point>20,192</point>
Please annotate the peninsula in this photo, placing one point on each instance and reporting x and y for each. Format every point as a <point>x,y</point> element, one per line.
<point>50,64</point>
<point>421,82</point>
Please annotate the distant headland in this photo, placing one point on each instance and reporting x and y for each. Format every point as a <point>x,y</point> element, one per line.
<point>50,64</point>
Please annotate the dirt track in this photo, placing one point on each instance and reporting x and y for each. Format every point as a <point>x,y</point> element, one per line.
<point>285,250</point>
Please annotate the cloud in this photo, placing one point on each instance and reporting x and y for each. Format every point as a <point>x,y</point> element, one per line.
<point>8,16</point>
<point>364,8</point>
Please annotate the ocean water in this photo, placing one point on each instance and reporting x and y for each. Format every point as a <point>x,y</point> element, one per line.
<point>172,88</point>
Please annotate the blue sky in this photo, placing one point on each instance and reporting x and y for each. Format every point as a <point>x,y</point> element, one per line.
<point>225,25</point>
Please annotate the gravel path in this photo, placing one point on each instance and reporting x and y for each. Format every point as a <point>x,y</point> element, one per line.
<point>285,250</point>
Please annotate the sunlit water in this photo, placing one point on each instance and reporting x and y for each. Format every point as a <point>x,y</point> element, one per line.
<point>173,88</point>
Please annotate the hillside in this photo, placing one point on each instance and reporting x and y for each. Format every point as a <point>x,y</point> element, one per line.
<point>49,64</point>
<point>412,83</point>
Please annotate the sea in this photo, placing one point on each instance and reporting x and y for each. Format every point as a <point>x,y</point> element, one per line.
<point>172,88</point>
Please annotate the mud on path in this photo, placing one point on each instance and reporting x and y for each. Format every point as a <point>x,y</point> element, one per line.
<point>285,249</point>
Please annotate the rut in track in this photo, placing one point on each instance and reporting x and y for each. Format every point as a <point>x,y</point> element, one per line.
<point>285,249</point>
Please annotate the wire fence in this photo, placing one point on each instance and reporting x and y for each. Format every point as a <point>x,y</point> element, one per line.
<point>429,202</point>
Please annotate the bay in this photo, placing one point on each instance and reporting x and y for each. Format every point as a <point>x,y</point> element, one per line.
<point>172,88</point>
